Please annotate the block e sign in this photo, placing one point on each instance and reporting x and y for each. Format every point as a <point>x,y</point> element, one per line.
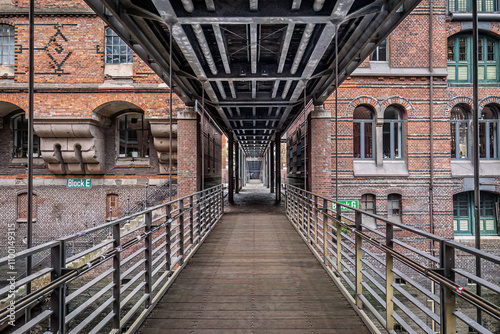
<point>79,183</point>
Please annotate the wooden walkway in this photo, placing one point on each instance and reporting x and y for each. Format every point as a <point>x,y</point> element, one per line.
<point>253,274</point>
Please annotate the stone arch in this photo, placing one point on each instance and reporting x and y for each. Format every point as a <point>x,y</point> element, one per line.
<point>7,107</point>
<point>457,100</point>
<point>362,100</point>
<point>489,100</point>
<point>398,101</point>
<point>105,110</point>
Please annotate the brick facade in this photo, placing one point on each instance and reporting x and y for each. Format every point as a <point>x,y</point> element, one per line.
<point>78,104</point>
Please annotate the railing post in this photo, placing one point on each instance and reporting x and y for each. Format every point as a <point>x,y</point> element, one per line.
<point>389,278</point>
<point>221,190</point>
<point>148,255</point>
<point>168,235</point>
<point>338,216</point>
<point>302,201</point>
<point>297,209</point>
<point>191,220</point>
<point>181,228</point>
<point>448,303</point>
<point>325,230</point>
<point>58,296</point>
<point>316,219</point>
<point>359,256</point>
<point>116,277</point>
<point>308,197</point>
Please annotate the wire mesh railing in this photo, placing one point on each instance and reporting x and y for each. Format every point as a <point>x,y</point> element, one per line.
<point>398,278</point>
<point>112,285</point>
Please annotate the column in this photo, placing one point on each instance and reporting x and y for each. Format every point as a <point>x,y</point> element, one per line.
<point>319,150</point>
<point>271,168</point>
<point>230,168</point>
<point>189,155</point>
<point>278,166</point>
<point>237,168</point>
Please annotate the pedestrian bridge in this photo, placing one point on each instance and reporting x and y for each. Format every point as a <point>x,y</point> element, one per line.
<point>195,265</point>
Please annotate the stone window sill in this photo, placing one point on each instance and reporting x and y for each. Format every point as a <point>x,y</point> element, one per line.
<point>471,238</point>
<point>388,168</point>
<point>25,220</point>
<point>118,70</point>
<point>464,168</point>
<point>132,162</point>
<point>23,162</point>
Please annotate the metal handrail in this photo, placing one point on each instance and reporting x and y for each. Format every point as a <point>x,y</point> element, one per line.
<point>318,220</point>
<point>159,246</point>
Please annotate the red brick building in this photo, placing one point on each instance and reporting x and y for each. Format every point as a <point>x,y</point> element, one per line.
<point>385,158</point>
<point>100,113</point>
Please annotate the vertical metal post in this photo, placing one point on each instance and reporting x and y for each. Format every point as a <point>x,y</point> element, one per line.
<point>148,256</point>
<point>221,194</point>
<point>181,228</point>
<point>325,229</point>
<point>389,278</point>
<point>316,218</point>
<point>278,167</point>
<point>271,168</point>
<point>237,168</point>
<point>171,112</point>
<point>116,277</point>
<point>475,107</point>
<point>199,216</point>
<point>230,168</point>
<point>308,197</point>
<point>359,256</point>
<point>31,109</point>
<point>146,197</point>
<point>338,216</point>
<point>168,240</point>
<point>448,303</point>
<point>58,296</point>
<point>191,220</point>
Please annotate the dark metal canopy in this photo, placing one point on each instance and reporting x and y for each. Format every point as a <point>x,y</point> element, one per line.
<point>254,64</point>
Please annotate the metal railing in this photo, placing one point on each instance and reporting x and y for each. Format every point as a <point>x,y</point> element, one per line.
<point>113,284</point>
<point>418,292</point>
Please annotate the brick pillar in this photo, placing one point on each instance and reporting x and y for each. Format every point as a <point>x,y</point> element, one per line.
<point>319,150</point>
<point>189,156</point>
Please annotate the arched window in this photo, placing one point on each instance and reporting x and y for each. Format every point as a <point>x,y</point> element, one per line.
<point>394,207</point>
<point>393,133</point>
<point>20,129</point>
<point>133,136</point>
<point>463,213</point>
<point>363,126</point>
<point>488,133</point>
<point>368,204</point>
<point>22,207</point>
<point>459,132</point>
<point>117,51</point>
<point>6,45</point>
<point>460,59</point>
<point>112,208</point>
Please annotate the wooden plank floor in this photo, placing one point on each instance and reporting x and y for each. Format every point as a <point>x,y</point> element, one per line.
<point>253,274</point>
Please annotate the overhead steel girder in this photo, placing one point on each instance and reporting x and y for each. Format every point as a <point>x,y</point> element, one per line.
<point>249,53</point>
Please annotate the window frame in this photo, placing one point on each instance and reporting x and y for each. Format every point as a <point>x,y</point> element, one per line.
<point>145,129</point>
<point>483,65</point>
<point>375,55</point>
<point>362,135</point>
<point>366,199</point>
<point>453,4</point>
<point>486,124</point>
<point>7,50</point>
<point>23,218</point>
<point>109,199</point>
<point>116,42</point>
<point>395,125</point>
<point>456,124</point>
<point>22,135</point>
<point>468,218</point>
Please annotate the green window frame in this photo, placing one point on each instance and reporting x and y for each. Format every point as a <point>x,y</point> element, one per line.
<point>466,5</point>
<point>460,59</point>
<point>463,213</point>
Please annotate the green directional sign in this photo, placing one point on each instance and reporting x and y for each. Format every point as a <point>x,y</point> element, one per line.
<point>79,183</point>
<point>354,203</point>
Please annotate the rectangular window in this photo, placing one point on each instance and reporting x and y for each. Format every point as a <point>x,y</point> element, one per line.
<point>116,51</point>
<point>381,52</point>
<point>22,207</point>
<point>112,208</point>
<point>6,45</point>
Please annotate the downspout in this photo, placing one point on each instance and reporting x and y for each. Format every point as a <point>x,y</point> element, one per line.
<point>431,140</point>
